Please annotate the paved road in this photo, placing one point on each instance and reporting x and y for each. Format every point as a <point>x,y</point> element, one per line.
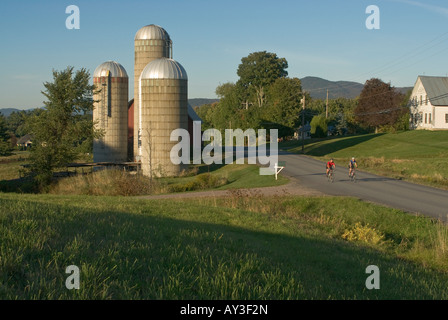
<point>391,192</point>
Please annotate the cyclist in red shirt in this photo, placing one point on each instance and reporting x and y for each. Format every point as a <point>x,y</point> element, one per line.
<point>330,165</point>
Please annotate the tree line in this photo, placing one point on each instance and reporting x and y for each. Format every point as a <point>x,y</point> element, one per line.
<point>265,97</point>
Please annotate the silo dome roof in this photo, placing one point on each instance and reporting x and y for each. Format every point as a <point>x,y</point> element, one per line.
<point>115,69</point>
<point>152,32</point>
<point>164,68</point>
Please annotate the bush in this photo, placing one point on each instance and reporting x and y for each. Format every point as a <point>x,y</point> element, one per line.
<point>364,234</point>
<point>201,182</point>
<point>319,126</point>
<point>110,182</point>
<point>5,148</point>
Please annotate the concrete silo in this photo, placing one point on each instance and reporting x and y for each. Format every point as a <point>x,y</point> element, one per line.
<point>163,92</point>
<point>151,42</point>
<point>111,112</point>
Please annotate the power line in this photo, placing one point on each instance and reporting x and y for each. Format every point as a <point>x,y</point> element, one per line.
<point>410,54</point>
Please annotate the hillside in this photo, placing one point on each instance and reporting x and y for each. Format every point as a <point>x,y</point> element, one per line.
<point>200,101</point>
<point>193,102</point>
<point>7,111</point>
<point>317,87</point>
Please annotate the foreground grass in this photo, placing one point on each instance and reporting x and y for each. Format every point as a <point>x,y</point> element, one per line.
<point>238,247</point>
<point>117,182</point>
<point>418,156</point>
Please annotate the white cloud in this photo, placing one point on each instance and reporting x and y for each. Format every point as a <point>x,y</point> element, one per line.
<point>430,7</point>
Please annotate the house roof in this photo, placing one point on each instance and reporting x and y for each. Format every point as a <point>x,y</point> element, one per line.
<point>305,128</point>
<point>25,139</point>
<point>436,89</point>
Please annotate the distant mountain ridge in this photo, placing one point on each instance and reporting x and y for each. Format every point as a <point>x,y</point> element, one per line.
<point>7,111</point>
<point>317,87</point>
<point>193,102</point>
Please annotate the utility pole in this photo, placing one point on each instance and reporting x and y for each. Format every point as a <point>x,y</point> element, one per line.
<point>326,108</point>
<point>303,124</point>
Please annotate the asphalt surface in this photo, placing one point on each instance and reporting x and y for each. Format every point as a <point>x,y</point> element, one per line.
<point>394,193</point>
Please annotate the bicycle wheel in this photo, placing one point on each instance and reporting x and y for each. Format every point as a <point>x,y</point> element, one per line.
<point>353,176</point>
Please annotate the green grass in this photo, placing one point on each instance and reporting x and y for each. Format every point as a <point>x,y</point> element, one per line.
<point>237,176</point>
<point>231,248</point>
<point>418,156</point>
<point>11,165</point>
<point>117,182</point>
<point>113,182</point>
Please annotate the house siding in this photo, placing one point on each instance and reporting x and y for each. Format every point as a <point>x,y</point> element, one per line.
<point>424,115</point>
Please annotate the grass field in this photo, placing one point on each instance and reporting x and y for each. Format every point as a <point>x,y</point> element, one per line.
<point>117,182</point>
<point>11,165</point>
<point>238,247</point>
<point>418,156</point>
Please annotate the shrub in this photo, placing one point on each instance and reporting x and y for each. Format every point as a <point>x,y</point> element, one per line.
<point>109,182</point>
<point>203,181</point>
<point>364,234</point>
<point>319,126</point>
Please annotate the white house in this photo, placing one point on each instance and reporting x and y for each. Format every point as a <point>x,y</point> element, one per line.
<point>429,103</point>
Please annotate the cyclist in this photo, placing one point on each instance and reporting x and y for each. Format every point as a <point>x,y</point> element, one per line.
<point>330,166</point>
<point>351,166</point>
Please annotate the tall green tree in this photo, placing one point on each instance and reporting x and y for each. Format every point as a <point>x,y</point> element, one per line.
<point>63,126</point>
<point>319,126</point>
<point>5,145</point>
<point>16,121</point>
<point>284,105</point>
<point>228,114</point>
<point>258,71</point>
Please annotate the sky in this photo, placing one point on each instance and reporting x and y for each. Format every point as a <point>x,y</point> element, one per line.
<point>322,38</point>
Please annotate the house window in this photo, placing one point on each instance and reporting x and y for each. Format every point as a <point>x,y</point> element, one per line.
<point>446,117</point>
<point>426,118</point>
<point>421,99</point>
<point>426,100</point>
<point>430,118</point>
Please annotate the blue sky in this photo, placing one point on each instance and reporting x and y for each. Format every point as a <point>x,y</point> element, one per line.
<point>325,38</point>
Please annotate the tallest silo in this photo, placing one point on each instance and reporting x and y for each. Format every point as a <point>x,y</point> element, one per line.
<point>150,43</point>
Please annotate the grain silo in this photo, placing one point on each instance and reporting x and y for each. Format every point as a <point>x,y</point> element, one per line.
<point>111,112</point>
<point>163,92</point>
<point>150,42</point>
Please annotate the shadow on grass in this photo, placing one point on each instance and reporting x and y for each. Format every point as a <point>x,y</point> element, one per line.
<point>21,185</point>
<point>209,168</point>
<point>322,149</point>
<point>144,255</point>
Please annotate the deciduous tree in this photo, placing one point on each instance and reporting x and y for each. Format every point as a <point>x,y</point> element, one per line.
<point>259,70</point>
<point>62,128</point>
<point>379,104</point>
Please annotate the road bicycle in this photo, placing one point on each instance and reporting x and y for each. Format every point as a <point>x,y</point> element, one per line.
<point>352,175</point>
<point>330,175</point>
